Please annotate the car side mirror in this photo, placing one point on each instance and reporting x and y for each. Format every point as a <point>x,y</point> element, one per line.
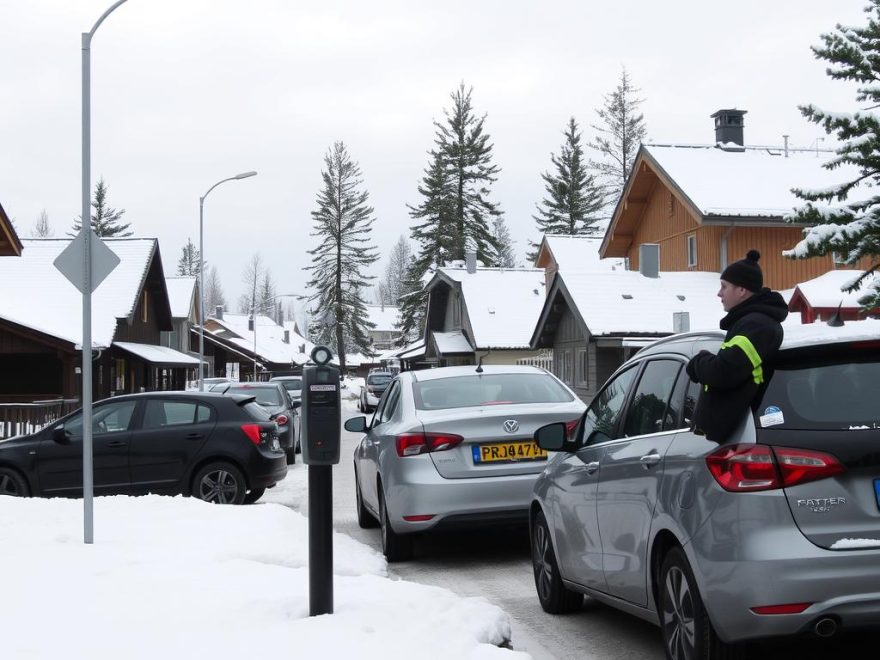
<point>356,424</point>
<point>59,435</point>
<point>554,437</point>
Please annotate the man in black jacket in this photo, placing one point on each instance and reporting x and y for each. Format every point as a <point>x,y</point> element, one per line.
<point>731,377</point>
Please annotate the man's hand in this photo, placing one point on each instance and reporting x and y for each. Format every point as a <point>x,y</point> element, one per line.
<point>691,365</point>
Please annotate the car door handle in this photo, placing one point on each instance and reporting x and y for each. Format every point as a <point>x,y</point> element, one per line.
<point>591,467</point>
<point>195,436</point>
<point>117,443</point>
<point>649,459</point>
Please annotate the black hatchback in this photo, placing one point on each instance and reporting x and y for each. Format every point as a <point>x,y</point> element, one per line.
<point>218,448</point>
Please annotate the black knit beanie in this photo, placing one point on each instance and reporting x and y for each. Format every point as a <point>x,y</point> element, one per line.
<point>745,272</point>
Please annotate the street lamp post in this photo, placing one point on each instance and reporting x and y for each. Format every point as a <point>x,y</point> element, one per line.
<point>243,175</point>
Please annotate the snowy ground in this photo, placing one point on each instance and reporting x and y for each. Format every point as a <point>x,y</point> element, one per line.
<point>173,577</point>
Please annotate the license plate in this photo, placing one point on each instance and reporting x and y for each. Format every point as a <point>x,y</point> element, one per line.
<point>508,452</point>
<point>877,491</point>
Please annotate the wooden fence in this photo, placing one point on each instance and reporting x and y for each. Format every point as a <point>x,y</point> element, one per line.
<point>21,418</point>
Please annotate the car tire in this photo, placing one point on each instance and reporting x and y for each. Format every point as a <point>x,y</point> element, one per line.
<point>365,519</point>
<point>554,596</point>
<point>253,495</point>
<point>12,483</point>
<point>396,547</point>
<point>219,483</point>
<point>684,622</point>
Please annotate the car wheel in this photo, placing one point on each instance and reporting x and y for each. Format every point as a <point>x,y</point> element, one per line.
<point>220,483</point>
<point>366,520</point>
<point>395,547</point>
<point>687,632</point>
<point>253,495</point>
<point>553,595</point>
<point>12,483</point>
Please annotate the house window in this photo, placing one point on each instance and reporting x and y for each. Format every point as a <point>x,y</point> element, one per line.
<point>692,250</point>
<point>119,375</point>
<point>144,315</point>
<point>565,366</point>
<point>581,378</point>
<point>839,259</point>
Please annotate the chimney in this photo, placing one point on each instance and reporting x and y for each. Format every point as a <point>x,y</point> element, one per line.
<point>218,312</point>
<point>287,336</point>
<point>729,126</point>
<point>470,260</point>
<point>681,322</point>
<point>649,259</point>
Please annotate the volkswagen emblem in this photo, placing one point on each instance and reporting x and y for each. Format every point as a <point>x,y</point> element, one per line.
<point>511,426</point>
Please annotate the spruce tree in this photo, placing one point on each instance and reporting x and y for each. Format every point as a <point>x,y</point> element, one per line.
<point>392,284</point>
<point>188,264</point>
<point>413,300</point>
<point>466,155</point>
<point>267,296</point>
<point>621,132</point>
<point>106,221</point>
<point>849,228</point>
<point>342,223</point>
<point>506,253</point>
<point>573,200</point>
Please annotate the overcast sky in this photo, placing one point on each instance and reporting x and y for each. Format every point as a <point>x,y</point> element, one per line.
<point>188,92</point>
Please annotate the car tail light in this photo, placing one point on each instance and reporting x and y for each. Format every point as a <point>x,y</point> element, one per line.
<point>281,420</point>
<point>413,444</point>
<point>743,468</point>
<point>419,518</point>
<point>253,432</point>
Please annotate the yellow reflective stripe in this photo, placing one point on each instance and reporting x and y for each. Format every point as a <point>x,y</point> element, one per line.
<point>742,342</point>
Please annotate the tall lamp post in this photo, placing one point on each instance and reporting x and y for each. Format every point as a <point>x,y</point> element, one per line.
<point>243,175</point>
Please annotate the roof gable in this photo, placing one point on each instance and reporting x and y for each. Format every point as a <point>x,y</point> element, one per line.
<point>825,291</point>
<point>10,244</point>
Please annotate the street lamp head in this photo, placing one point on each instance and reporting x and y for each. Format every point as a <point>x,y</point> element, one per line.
<point>244,175</point>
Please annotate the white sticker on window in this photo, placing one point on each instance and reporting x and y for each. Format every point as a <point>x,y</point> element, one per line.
<point>772,416</point>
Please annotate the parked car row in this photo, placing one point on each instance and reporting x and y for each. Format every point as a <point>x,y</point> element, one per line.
<point>775,533</point>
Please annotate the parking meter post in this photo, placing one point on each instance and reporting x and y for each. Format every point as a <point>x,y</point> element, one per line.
<point>320,438</point>
<point>320,540</point>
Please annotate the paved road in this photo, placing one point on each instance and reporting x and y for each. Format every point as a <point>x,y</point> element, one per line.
<point>497,566</point>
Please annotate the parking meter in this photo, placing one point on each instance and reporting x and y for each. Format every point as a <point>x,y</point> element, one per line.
<point>319,431</point>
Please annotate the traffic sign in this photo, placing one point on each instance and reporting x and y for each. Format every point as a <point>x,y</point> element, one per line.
<point>71,261</point>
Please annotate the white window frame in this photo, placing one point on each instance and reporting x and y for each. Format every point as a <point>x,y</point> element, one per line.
<point>691,250</point>
<point>582,367</point>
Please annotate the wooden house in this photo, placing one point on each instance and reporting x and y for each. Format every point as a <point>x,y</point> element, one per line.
<point>706,206</point>
<point>821,298</point>
<point>10,245</point>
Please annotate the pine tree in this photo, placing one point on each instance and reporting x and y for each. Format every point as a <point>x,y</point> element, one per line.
<point>188,264</point>
<point>621,132</point>
<point>106,221</point>
<point>342,223</point>
<point>214,296</point>
<point>506,253</point>
<point>849,228</point>
<point>466,155</point>
<point>267,296</point>
<point>413,301</point>
<point>573,199</point>
<point>42,229</point>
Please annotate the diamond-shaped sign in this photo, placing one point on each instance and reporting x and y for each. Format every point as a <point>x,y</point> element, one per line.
<point>71,261</point>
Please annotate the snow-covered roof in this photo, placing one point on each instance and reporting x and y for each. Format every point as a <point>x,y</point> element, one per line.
<point>408,351</point>
<point>158,354</point>
<point>385,318</point>
<point>181,291</point>
<point>36,295</point>
<point>452,342</point>
<point>270,343</point>
<point>503,304</point>
<point>825,290</point>
<point>627,302</point>
<point>750,183</point>
<point>579,252</point>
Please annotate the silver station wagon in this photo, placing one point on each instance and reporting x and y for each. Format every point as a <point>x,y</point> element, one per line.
<point>775,533</point>
<point>454,447</point>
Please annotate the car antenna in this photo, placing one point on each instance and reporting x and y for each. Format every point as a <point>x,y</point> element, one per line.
<point>480,362</point>
<point>837,320</point>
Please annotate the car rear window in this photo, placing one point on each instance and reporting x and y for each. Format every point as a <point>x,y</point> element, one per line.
<point>823,392</point>
<point>265,396</point>
<point>292,385</point>
<point>488,389</point>
<point>256,411</point>
<point>379,379</point>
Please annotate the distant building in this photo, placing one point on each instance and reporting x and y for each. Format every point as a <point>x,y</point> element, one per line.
<point>820,298</point>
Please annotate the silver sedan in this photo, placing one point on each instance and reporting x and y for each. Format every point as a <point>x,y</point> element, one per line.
<point>454,447</point>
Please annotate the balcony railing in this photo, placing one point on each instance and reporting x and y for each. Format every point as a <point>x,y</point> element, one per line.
<point>22,418</point>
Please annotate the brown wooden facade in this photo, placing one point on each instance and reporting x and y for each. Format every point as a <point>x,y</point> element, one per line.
<point>653,209</point>
<point>10,245</point>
